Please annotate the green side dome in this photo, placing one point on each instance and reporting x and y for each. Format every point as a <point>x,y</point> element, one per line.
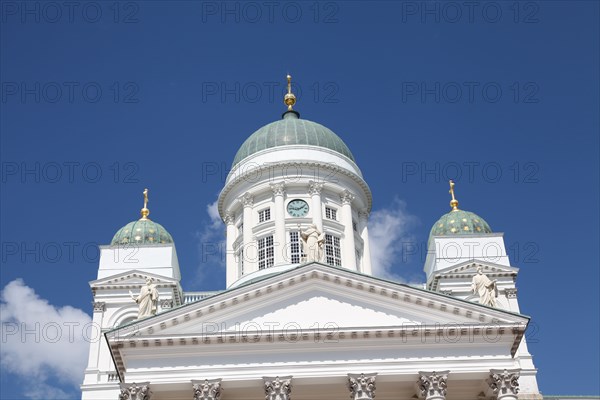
<point>142,231</point>
<point>291,130</point>
<point>459,222</point>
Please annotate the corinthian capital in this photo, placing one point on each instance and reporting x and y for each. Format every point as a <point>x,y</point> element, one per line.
<point>278,188</point>
<point>132,391</point>
<point>99,306</point>
<point>278,388</point>
<point>229,218</point>
<point>362,387</point>
<point>346,197</point>
<point>207,389</point>
<point>504,383</point>
<point>432,385</point>
<point>314,188</point>
<point>247,199</point>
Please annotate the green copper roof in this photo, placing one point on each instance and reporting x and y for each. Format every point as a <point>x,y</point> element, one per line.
<point>460,222</point>
<point>143,231</point>
<point>291,130</point>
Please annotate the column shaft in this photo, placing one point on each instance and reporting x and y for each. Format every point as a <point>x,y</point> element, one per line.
<point>314,189</point>
<point>250,249</point>
<point>349,248</point>
<point>232,271</point>
<point>280,240</point>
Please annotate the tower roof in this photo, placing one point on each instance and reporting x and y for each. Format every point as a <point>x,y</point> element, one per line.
<point>459,222</point>
<point>142,231</point>
<point>291,130</point>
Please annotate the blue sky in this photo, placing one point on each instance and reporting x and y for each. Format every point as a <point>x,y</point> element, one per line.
<point>104,99</point>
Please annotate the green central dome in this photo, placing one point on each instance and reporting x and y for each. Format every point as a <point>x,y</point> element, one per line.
<point>459,222</point>
<point>142,231</point>
<point>291,130</point>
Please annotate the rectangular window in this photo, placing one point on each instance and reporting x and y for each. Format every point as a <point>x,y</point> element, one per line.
<point>266,252</point>
<point>296,248</point>
<point>333,253</point>
<point>331,213</point>
<point>241,228</point>
<point>264,215</point>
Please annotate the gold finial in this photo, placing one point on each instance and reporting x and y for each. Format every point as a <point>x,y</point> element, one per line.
<point>145,212</point>
<point>453,202</point>
<point>289,99</point>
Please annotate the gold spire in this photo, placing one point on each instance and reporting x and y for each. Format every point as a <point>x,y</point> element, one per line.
<point>145,212</point>
<point>290,98</point>
<point>453,202</point>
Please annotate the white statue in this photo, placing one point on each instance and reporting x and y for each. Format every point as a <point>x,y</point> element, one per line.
<point>147,300</point>
<point>313,243</point>
<point>485,288</point>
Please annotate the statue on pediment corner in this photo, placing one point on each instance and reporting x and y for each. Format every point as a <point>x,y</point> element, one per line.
<point>485,288</point>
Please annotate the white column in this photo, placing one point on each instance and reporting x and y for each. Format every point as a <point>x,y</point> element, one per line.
<point>348,247</point>
<point>363,217</point>
<point>432,385</point>
<point>92,370</point>
<point>314,189</point>
<point>232,273</point>
<point>250,247</point>
<point>279,242</point>
<point>504,383</point>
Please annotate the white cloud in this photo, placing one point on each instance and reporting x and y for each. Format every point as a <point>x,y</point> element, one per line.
<point>42,343</point>
<point>212,240</point>
<point>389,232</point>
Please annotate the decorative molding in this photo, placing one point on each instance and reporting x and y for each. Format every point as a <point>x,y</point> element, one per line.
<point>207,389</point>
<point>99,306</point>
<point>447,292</point>
<point>504,383</point>
<point>346,197</point>
<point>362,387</point>
<point>511,293</point>
<point>229,218</point>
<point>432,385</point>
<point>278,188</point>
<point>247,199</point>
<point>134,392</point>
<point>314,188</point>
<point>278,388</point>
<point>166,303</point>
<point>267,167</point>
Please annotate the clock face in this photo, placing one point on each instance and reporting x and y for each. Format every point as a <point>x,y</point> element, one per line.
<point>297,208</point>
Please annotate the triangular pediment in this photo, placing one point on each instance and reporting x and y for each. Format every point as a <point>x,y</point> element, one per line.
<point>314,296</point>
<point>469,268</point>
<point>133,278</point>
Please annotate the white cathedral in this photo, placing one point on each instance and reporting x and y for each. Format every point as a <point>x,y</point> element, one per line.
<point>302,316</point>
